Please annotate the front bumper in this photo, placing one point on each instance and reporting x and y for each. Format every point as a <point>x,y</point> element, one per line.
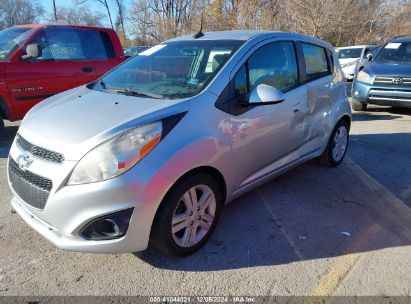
<point>382,95</point>
<point>69,208</point>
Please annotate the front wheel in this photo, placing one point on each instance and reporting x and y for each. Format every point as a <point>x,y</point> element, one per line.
<point>358,105</point>
<point>337,145</point>
<point>187,216</point>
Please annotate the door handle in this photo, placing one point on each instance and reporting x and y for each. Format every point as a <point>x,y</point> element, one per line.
<point>296,108</point>
<point>87,69</point>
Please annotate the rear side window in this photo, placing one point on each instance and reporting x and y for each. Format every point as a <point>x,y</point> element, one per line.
<point>108,45</point>
<point>315,58</point>
<point>73,44</point>
<point>274,64</point>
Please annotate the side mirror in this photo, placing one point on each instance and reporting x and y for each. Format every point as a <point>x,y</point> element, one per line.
<point>32,51</point>
<point>264,95</point>
<point>369,57</point>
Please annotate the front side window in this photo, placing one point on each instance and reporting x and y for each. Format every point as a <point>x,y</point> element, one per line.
<point>59,44</point>
<point>11,38</point>
<point>274,64</point>
<point>395,51</point>
<point>171,70</point>
<point>315,59</point>
<point>73,44</point>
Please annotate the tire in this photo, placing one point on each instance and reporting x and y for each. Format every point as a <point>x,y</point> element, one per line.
<point>334,155</point>
<point>358,105</point>
<point>2,128</point>
<point>174,207</point>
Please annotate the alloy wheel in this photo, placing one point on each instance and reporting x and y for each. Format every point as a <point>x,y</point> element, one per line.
<point>340,143</point>
<point>193,216</point>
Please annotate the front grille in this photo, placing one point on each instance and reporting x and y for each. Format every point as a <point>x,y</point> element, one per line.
<point>31,188</point>
<point>392,96</point>
<point>389,81</point>
<point>38,151</point>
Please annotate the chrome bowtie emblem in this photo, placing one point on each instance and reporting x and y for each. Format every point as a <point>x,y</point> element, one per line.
<point>397,81</point>
<point>24,161</point>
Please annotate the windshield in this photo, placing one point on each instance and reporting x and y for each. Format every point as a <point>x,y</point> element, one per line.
<point>10,39</point>
<point>171,70</point>
<point>395,51</point>
<point>349,53</point>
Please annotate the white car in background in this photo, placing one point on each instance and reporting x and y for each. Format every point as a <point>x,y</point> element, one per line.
<point>349,57</point>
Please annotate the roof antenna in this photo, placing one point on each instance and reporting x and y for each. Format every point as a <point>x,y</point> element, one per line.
<point>200,32</point>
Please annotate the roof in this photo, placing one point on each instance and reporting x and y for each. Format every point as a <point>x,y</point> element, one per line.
<point>51,24</point>
<point>356,46</point>
<point>224,35</point>
<point>402,39</point>
<point>248,35</point>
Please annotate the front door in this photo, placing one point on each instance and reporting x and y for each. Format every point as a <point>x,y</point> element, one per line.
<point>267,137</point>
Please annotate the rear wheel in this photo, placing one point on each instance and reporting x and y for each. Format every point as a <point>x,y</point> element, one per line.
<point>188,216</point>
<point>358,105</point>
<point>337,146</point>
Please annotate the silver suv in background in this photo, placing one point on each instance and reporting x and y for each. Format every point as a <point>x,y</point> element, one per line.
<point>150,152</point>
<point>350,56</point>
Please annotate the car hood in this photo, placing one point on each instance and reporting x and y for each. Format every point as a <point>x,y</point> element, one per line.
<point>77,120</point>
<point>381,68</point>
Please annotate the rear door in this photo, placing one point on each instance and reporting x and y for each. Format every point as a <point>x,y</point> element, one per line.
<point>322,90</point>
<point>63,64</point>
<point>104,50</point>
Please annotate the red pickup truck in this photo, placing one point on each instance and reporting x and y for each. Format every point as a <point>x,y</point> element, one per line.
<point>38,61</point>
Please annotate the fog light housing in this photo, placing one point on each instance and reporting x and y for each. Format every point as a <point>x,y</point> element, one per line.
<point>108,227</point>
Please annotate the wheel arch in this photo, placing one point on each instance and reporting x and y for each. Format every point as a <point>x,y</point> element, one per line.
<point>4,111</point>
<point>208,170</point>
<point>346,118</point>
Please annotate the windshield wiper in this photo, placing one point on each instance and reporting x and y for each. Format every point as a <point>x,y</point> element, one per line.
<point>131,92</point>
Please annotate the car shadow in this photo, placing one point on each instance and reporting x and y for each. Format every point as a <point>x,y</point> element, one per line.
<point>373,113</point>
<point>6,139</point>
<point>312,212</point>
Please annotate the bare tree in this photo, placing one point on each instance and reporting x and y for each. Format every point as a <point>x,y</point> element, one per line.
<point>105,4</point>
<point>13,12</point>
<point>120,14</point>
<point>341,22</point>
<point>78,15</point>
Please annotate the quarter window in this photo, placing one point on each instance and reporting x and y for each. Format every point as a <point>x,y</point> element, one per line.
<point>315,61</point>
<point>240,82</point>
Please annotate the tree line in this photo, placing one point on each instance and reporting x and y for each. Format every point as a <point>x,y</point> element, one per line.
<point>147,22</point>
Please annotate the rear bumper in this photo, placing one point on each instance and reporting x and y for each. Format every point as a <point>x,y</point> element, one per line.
<point>382,95</point>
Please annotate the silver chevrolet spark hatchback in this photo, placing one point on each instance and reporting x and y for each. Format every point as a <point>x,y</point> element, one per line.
<point>150,152</point>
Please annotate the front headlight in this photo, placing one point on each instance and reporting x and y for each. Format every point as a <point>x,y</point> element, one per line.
<point>117,155</point>
<point>364,77</point>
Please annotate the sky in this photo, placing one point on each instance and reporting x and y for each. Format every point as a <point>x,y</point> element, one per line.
<point>92,4</point>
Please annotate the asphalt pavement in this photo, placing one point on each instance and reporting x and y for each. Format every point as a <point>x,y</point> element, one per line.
<point>313,231</point>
